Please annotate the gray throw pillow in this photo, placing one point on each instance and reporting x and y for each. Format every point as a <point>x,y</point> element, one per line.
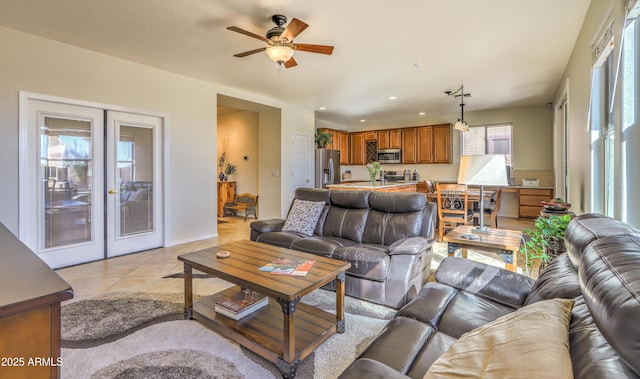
<point>303,216</point>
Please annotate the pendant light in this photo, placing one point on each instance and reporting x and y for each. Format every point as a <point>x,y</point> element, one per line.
<point>461,124</point>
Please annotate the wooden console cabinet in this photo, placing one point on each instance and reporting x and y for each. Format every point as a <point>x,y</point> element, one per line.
<point>226,193</point>
<point>30,297</point>
<point>529,200</point>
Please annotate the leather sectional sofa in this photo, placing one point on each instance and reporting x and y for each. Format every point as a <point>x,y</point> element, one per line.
<point>598,336</point>
<point>387,238</point>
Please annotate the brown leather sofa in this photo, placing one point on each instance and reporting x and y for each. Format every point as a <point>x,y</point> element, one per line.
<point>600,271</point>
<point>387,238</point>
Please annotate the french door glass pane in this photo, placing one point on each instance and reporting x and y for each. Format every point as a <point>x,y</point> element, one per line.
<point>134,170</point>
<point>66,169</point>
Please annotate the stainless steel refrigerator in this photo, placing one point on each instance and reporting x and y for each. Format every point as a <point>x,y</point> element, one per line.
<point>327,167</point>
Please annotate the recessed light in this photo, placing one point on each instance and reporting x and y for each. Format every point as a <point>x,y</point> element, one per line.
<point>363,120</point>
<point>422,113</point>
<point>418,65</point>
<point>323,108</point>
<point>392,97</point>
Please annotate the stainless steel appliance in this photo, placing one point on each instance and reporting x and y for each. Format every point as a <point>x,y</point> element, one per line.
<point>327,167</point>
<point>389,156</point>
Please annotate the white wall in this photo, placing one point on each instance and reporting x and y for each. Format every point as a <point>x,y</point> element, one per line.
<point>33,64</point>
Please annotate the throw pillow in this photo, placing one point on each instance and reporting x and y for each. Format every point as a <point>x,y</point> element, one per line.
<point>303,216</point>
<point>532,342</point>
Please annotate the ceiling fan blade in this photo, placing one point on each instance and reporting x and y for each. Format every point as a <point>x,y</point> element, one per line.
<point>290,63</point>
<point>294,28</point>
<point>246,33</point>
<point>240,55</point>
<point>320,49</point>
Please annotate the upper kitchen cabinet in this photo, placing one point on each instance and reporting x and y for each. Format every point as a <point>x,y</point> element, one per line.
<point>345,148</point>
<point>425,144</point>
<point>371,135</point>
<point>442,143</point>
<point>389,139</point>
<point>358,148</point>
<point>409,145</point>
<point>335,138</point>
<point>434,144</point>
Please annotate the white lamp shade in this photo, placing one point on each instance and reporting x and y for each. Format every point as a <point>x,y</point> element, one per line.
<point>462,126</point>
<point>279,54</point>
<point>483,170</point>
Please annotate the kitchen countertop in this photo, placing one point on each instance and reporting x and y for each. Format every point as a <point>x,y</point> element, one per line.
<point>368,185</point>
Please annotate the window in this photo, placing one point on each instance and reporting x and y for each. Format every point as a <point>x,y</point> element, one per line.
<point>488,139</point>
<point>614,125</point>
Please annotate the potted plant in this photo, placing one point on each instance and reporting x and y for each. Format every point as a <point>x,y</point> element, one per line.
<point>322,138</point>
<point>547,240</point>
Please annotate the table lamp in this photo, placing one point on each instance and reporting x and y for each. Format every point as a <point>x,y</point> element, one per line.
<point>483,170</point>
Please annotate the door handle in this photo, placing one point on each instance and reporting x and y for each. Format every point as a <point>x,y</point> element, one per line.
<point>112,192</point>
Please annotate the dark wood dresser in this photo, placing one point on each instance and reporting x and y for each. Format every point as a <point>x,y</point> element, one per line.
<point>30,297</point>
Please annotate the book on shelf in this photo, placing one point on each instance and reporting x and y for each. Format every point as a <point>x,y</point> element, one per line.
<point>288,266</point>
<point>241,304</point>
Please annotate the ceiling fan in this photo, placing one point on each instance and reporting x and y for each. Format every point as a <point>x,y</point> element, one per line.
<point>280,46</point>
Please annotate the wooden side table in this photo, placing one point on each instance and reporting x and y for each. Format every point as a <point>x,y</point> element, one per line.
<point>503,242</point>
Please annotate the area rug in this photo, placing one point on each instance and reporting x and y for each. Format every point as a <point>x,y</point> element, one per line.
<point>139,333</point>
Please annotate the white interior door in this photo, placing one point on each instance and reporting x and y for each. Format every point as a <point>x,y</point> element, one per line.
<point>61,181</point>
<point>300,162</point>
<point>134,182</point>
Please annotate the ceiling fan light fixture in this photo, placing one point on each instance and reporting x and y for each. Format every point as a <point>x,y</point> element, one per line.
<point>279,53</point>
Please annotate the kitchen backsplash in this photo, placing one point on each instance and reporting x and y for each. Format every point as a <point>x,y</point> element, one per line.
<point>448,173</point>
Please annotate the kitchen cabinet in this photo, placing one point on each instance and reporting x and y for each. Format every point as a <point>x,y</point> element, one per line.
<point>395,139</point>
<point>358,148</point>
<point>529,200</point>
<point>425,144</point>
<point>434,144</point>
<point>442,143</point>
<point>335,138</point>
<point>226,193</point>
<point>409,145</point>
<point>389,139</point>
<point>371,135</point>
<point>345,148</point>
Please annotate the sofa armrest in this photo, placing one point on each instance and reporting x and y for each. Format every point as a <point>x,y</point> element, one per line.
<point>265,226</point>
<point>411,245</point>
<point>370,369</point>
<point>490,282</point>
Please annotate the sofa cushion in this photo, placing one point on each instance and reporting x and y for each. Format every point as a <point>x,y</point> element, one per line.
<point>584,229</point>
<point>282,239</point>
<point>367,261</point>
<point>345,223</point>
<point>558,280</point>
<point>350,199</point>
<point>303,216</point>
<point>386,228</point>
<point>320,245</point>
<point>493,350</point>
<point>390,202</point>
<point>610,279</point>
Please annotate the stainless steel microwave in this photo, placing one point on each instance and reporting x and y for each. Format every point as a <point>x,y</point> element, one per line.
<point>389,156</point>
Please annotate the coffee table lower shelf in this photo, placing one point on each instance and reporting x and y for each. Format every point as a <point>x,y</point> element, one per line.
<point>262,331</point>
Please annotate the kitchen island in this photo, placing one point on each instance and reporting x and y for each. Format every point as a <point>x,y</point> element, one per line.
<point>400,186</point>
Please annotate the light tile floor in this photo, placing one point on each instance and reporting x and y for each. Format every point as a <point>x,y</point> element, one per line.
<point>115,274</point>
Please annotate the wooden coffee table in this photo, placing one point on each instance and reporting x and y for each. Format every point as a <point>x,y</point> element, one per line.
<point>285,332</point>
<point>503,242</point>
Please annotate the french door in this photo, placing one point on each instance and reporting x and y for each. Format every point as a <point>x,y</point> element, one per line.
<point>90,181</point>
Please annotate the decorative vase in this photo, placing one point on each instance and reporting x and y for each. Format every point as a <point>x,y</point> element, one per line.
<point>221,176</point>
<point>226,178</point>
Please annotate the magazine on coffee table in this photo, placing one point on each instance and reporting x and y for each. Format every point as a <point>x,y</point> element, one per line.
<point>241,304</point>
<point>288,266</point>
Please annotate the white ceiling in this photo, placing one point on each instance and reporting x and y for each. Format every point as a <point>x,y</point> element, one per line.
<point>505,52</point>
